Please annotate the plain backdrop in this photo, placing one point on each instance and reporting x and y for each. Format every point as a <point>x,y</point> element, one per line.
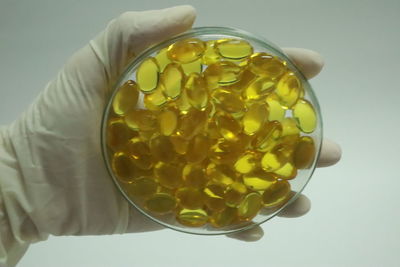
<point>355,215</point>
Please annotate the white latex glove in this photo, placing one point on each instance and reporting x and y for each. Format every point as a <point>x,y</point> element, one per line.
<point>52,175</point>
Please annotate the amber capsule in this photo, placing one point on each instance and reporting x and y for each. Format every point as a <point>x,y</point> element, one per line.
<point>182,102</point>
<point>304,153</point>
<point>142,187</point>
<point>289,127</point>
<point>258,180</point>
<point>156,99</point>
<point>196,90</point>
<point>125,98</point>
<point>228,127</point>
<point>289,90</point>
<point>266,65</point>
<point>245,79</point>
<point>268,136</point>
<point>162,59</point>
<point>140,154</point>
<point>305,116</point>
<point>186,51</point>
<point>160,203</point>
<point>172,78</point>
<point>287,171</point>
<point>212,130</point>
<point>118,134</point>
<point>180,144</point>
<point>254,118</point>
<point>276,194</point>
<point>221,174</point>
<point>272,161</point>
<point>249,206</point>
<point>276,111</point>
<point>259,88</point>
<point>214,197</point>
<point>192,67</point>
<point>197,149</point>
<point>246,163</point>
<point>192,123</point>
<point>147,75</point>
<point>222,73</point>
<point>168,175</point>
<point>223,218</point>
<point>141,119</point>
<point>225,152</point>
<point>123,167</point>
<point>162,149</point>
<point>167,121</point>
<point>234,194</point>
<point>189,198</point>
<point>210,55</point>
<point>228,101</point>
<point>192,218</point>
<point>235,49</point>
<point>194,176</point>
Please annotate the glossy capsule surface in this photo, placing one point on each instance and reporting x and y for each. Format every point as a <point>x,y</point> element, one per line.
<point>234,48</point>
<point>125,98</point>
<point>186,51</point>
<point>147,75</point>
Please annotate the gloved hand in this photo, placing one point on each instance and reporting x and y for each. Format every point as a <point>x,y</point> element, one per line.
<point>52,176</point>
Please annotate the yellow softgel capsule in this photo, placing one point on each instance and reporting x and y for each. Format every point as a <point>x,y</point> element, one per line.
<point>167,121</point>
<point>225,152</point>
<point>249,206</point>
<point>168,175</point>
<point>254,118</point>
<point>118,134</point>
<point>259,89</point>
<point>222,73</point>
<point>234,194</point>
<point>267,65</point>
<point>258,180</point>
<point>189,198</point>
<point>140,154</point>
<point>162,149</point>
<point>123,167</point>
<point>276,111</point>
<point>180,144</point>
<point>289,127</point>
<point>192,123</point>
<point>147,75</point>
<point>125,98</point>
<point>245,79</point>
<point>304,114</point>
<point>160,203</point>
<point>287,171</point>
<point>194,176</point>
<point>289,90</point>
<point>276,194</point>
<point>221,174</point>
<point>156,99</point>
<point>228,127</point>
<point>210,55</point>
<point>172,79</point>
<point>304,153</point>
<point>246,163</point>
<point>214,197</point>
<point>186,51</point>
<point>268,136</point>
<point>235,49</point>
<point>192,218</point>
<point>192,67</point>
<point>141,119</point>
<point>142,187</point>
<point>196,91</point>
<point>271,161</point>
<point>228,101</point>
<point>223,218</point>
<point>182,102</point>
<point>162,59</point>
<point>197,149</point>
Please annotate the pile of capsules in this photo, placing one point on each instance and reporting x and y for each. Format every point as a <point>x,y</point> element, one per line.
<point>210,132</point>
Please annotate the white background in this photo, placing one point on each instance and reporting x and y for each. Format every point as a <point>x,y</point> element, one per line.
<point>355,215</point>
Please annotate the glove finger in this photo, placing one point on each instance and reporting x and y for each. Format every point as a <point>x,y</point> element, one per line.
<point>132,32</point>
<point>298,208</point>
<point>309,62</point>
<point>330,153</point>
<point>251,235</point>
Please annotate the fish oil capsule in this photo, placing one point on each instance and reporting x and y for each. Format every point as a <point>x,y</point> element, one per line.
<point>276,194</point>
<point>254,118</point>
<point>197,149</point>
<point>182,102</point>
<point>162,149</point>
<point>225,152</point>
<point>160,203</point>
<point>168,175</point>
<point>180,144</point>
<point>276,111</point>
<point>245,79</point>
<point>142,187</point>
<point>289,90</point>
<point>192,67</point>
<point>304,153</point>
<point>268,136</point>
<point>125,98</point>
<point>162,59</point>
<point>140,154</point>
<point>266,65</point>
<point>118,134</point>
<point>141,119</point>
<point>192,123</point>
<point>147,75</point>
<point>287,171</point>
<point>123,167</point>
<point>189,198</point>
<point>222,73</point>
<point>234,194</point>
<point>258,180</point>
<point>249,206</point>
<point>259,88</point>
<point>194,176</point>
<point>192,218</point>
<point>186,51</point>
<point>289,127</point>
<point>223,218</point>
<point>196,91</point>
<point>228,101</point>
<point>304,114</point>
<point>156,99</point>
<point>228,127</point>
<point>214,197</point>
<point>271,162</point>
<point>172,79</point>
<point>246,163</point>
<point>210,55</point>
<point>235,49</point>
<point>221,174</point>
<point>167,121</point>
